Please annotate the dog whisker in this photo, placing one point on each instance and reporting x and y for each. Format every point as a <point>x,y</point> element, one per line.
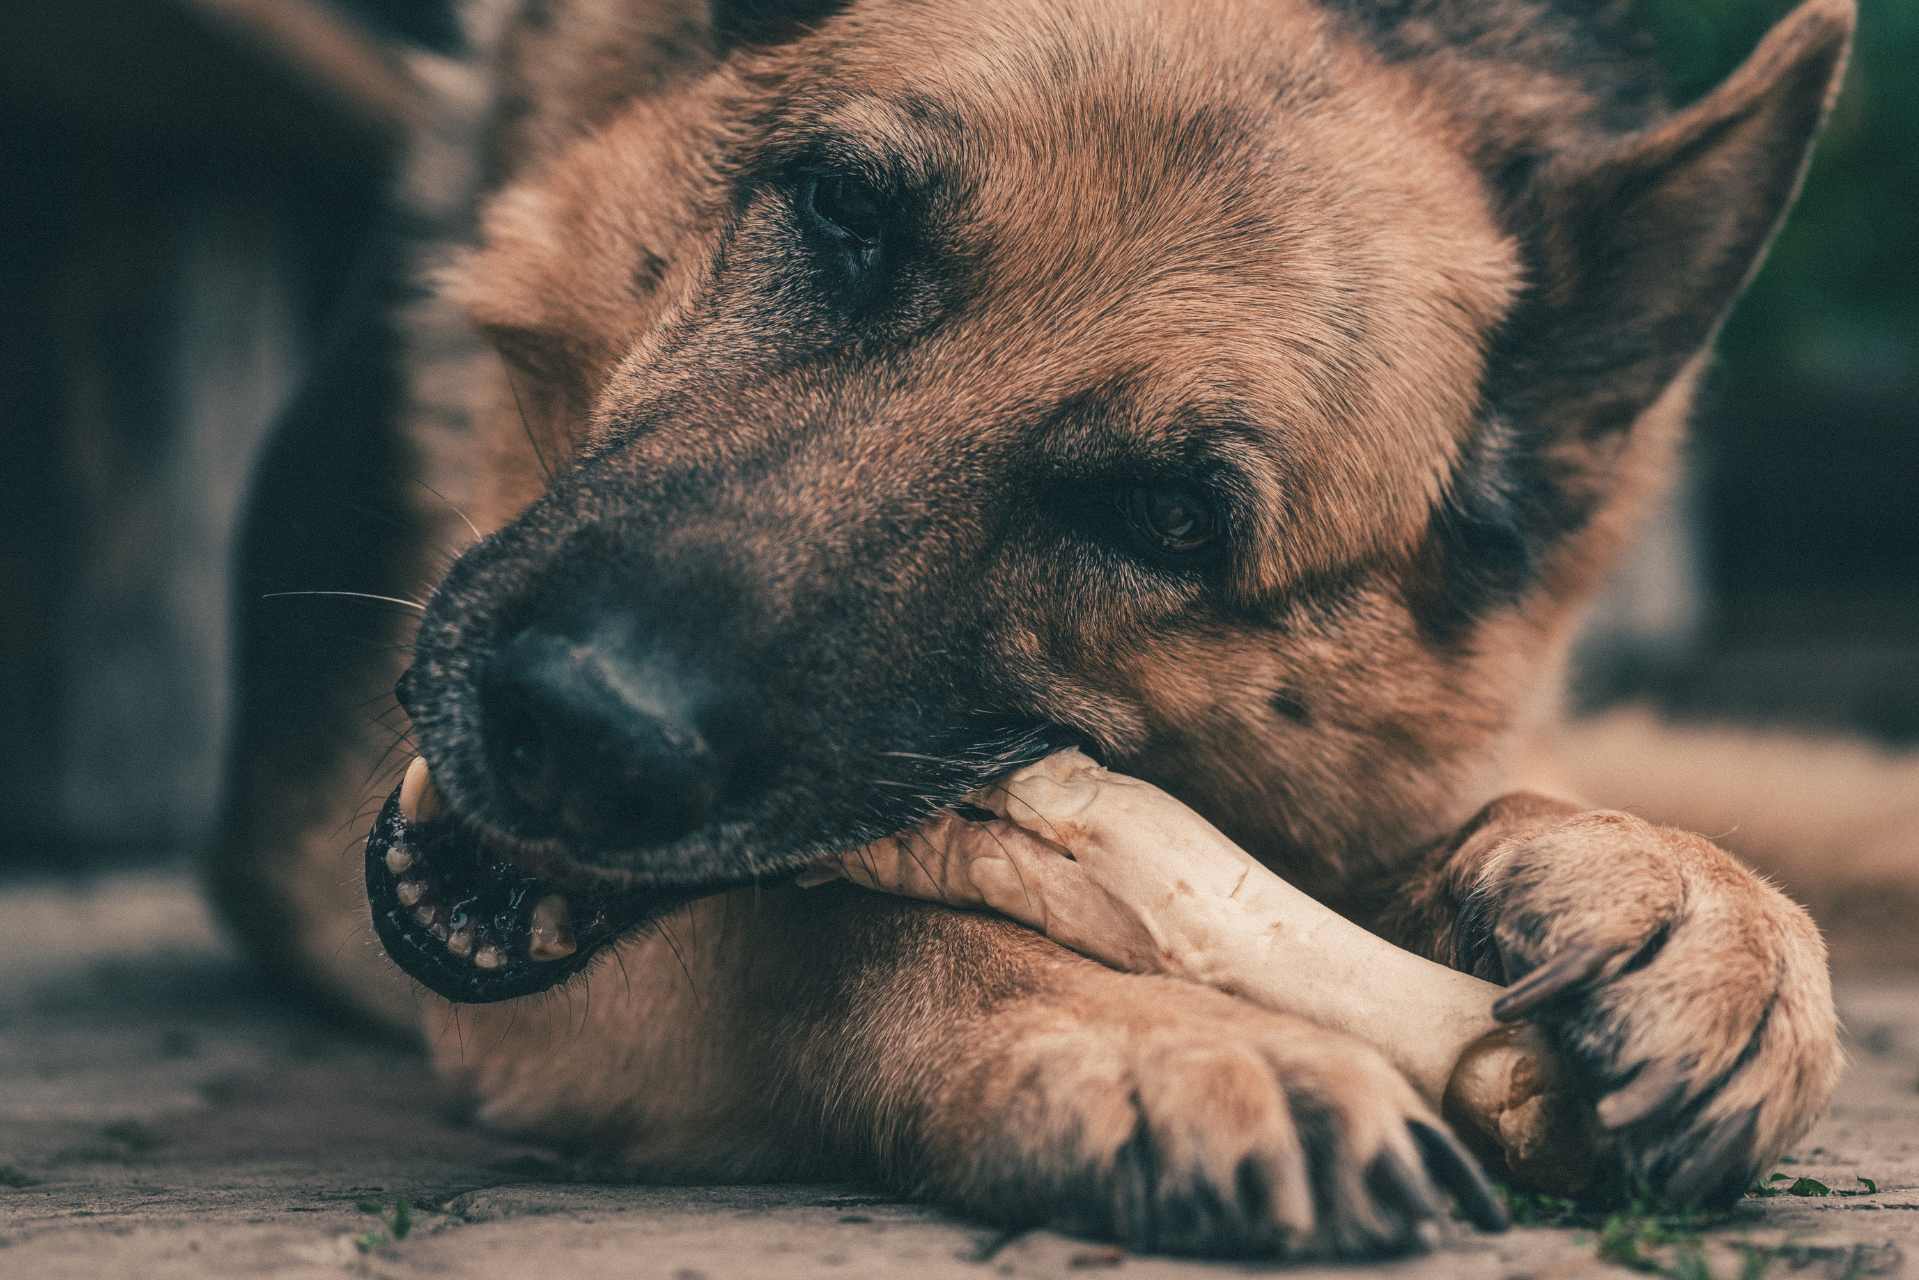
<point>414,605</point>
<point>686,971</point>
<point>453,507</point>
<point>906,847</point>
<point>519,406</point>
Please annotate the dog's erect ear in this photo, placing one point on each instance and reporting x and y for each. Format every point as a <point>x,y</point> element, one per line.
<point>738,22</point>
<point>1636,250</point>
<point>1639,248</point>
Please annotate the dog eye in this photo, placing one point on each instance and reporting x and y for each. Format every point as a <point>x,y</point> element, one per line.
<point>848,213</point>
<point>1172,519</point>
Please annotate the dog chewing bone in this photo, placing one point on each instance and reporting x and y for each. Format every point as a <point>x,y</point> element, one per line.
<point>1118,870</point>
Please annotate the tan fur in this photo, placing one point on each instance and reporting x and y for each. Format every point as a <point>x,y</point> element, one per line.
<point>1223,217</point>
<point>1832,818</point>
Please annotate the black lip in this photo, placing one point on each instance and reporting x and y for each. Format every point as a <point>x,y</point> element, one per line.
<point>499,894</point>
<point>497,897</point>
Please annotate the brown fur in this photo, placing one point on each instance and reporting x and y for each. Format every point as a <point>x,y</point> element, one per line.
<point>1433,282</point>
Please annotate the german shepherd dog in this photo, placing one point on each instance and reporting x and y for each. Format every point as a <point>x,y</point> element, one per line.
<point>847,403</point>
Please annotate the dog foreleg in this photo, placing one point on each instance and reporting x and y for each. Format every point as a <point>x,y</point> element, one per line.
<point>965,1059</point>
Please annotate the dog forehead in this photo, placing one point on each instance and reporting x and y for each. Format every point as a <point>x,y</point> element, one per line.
<point>1228,202</point>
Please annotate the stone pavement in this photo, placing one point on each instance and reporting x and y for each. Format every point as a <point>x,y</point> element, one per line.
<point>161,1116</point>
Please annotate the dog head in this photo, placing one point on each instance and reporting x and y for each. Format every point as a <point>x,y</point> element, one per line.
<point>1246,392</point>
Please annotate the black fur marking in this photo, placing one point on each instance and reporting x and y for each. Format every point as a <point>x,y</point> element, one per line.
<point>1291,705</point>
<point>1475,941</point>
<point>767,21</point>
<point>930,113</point>
<point>923,276</point>
<point>1487,538</point>
<point>1597,45</point>
<point>647,273</point>
<point>1510,182</point>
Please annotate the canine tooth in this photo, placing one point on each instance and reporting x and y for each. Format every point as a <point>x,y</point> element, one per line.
<point>399,859</point>
<point>410,892</point>
<point>814,877</point>
<point>552,930</point>
<point>419,798</point>
<point>489,957</point>
<point>460,942</point>
<point>427,914</point>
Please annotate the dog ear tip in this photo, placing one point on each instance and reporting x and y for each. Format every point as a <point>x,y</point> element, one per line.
<point>1815,45</point>
<point>1819,30</point>
<point>1838,17</point>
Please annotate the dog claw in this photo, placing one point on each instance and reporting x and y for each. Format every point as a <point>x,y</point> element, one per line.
<point>1656,1088</point>
<point>1459,1173</point>
<point>1405,1187</point>
<point>1566,972</point>
<point>1707,1174</point>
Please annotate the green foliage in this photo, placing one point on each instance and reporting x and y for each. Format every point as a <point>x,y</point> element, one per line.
<point>1645,1239</point>
<point>1660,1244</point>
<point>1640,1238</point>
<point>1808,1187</point>
<point>1537,1209</point>
<point>397,1220</point>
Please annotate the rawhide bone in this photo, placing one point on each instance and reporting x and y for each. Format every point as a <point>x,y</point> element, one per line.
<point>1119,871</point>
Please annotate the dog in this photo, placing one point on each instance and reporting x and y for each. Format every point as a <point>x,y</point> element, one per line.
<point>801,414</point>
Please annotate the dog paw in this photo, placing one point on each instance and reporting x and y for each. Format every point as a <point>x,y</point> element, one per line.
<point>1691,995</point>
<point>1206,1127</point>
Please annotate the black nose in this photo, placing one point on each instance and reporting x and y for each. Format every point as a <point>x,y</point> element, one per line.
<point>598,742</point>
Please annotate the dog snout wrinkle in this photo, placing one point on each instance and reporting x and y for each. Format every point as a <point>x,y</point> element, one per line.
<point>598,741</point>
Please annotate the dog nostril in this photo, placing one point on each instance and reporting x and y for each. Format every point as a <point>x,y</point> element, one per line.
<point>520,753</point>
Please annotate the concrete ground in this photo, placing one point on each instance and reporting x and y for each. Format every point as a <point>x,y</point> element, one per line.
<point>162,1116</point>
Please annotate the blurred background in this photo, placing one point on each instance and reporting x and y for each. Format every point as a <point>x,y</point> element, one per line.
<point>182,208</point>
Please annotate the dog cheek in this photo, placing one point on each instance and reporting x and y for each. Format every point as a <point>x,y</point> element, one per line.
<point>1043,686</point>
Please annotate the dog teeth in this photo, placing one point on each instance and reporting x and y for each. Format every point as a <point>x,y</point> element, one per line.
<point>550,925</point>
<point>419,798</point>
<point>552,930</point>
<point>814,877</point>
